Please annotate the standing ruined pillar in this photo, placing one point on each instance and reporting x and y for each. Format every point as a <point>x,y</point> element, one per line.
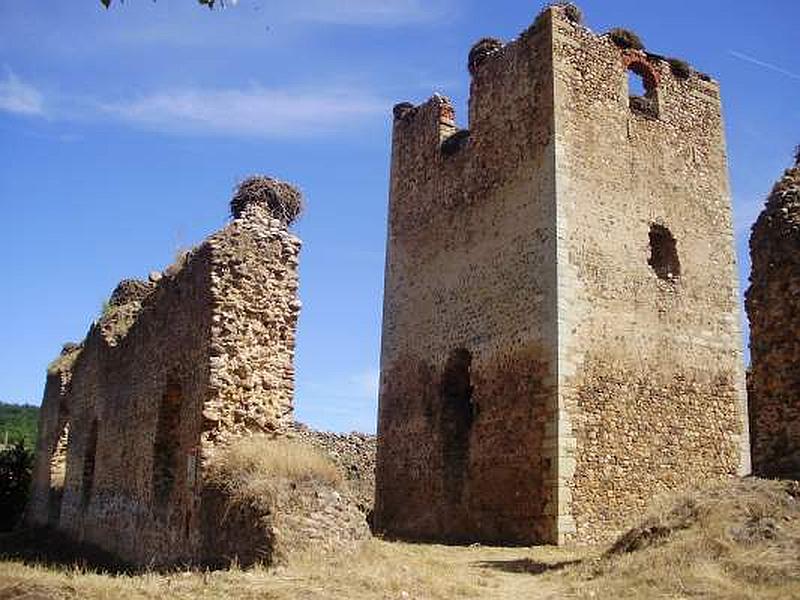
<point>773,307</point>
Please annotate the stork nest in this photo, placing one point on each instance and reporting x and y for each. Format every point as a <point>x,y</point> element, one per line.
<point>283,201</point>
<point>626,39</point>
<point>481,50</point>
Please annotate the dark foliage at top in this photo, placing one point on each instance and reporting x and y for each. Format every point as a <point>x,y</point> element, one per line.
<point>797,155</point>
<point>19,422</point>
<point>625,38</point>
<point>455,142</point>
<point>482,49</point>
<point>16,467</point>
<point>283,201</point>
<point>680,68</point>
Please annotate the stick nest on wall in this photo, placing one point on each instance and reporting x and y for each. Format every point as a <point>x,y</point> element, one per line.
<point>626,39</point>
<point>283,201</point>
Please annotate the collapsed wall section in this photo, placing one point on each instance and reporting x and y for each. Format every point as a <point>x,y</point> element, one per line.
<point>466,416</point>
<point>651,378</point>
<point>773,307</point>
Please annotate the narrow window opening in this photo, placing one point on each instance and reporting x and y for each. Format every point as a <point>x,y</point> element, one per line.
<point>58,469</point>
<point>89,460</point>
<point>165,450</point>
<point>642,96</point>
<point>664,253</point>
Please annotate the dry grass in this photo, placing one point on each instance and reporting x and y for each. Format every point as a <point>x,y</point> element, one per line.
<point>249,469</point>
<point>378,570</point>
<point>735,539</point>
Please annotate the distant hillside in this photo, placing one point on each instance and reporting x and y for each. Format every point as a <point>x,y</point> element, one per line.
<point>18,421</point>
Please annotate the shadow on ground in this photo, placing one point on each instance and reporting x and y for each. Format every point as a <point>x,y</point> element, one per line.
<point>524,565</point>
<point>51,548</point>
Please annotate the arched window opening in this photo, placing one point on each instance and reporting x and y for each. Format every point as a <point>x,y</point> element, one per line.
<point>165,450</point>
<point>58,469</point>
<point>664,253</point>
<point>642,84</point>
<point>89,460</point>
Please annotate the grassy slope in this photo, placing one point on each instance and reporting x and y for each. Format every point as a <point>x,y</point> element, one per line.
<point>20,422</point>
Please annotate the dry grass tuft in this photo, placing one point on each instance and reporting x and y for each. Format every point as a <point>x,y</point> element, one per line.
<point>797,156</point>
<point>250,469</point>
<point>626,39</point>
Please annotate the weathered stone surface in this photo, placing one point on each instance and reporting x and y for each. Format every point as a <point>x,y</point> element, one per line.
<point>172,369</point>
<point>561,332</point>
<point>353,453</point>
<point>773,307</point>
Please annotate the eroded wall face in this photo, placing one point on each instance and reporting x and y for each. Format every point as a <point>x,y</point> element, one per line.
<point>137,394</point>
<point>466,418</point>
<point>651,382</point>
<point>773,306</point>
<point>170,372</point>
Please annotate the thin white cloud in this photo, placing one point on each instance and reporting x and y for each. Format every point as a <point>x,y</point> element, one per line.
<point>19,97</point>
<point>370,12</point>
<point>760,63</point>
<point>254,112</point>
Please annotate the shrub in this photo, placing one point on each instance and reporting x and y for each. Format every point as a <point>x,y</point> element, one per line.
<point>626,39</point>
<point>16,468</point>
<point>680,68</point>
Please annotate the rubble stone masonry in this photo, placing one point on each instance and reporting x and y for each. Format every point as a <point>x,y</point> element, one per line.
<point>561,333</point>
<point>172,369</point>
<point>773,306</point>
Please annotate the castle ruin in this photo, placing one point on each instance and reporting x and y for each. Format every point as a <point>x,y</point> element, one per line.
<point>175,368</point>
<point>561,330</point>
<point>773,307</point>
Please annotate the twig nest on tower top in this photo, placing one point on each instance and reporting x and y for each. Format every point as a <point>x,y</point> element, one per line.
<point>481,50</point>
<point>283,201</point>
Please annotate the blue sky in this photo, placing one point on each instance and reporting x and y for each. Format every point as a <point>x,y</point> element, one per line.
<point>122,133</point>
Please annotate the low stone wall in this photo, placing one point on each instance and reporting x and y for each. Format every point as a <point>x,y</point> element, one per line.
<point>354,454</point>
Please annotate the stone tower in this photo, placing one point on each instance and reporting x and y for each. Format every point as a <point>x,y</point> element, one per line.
<point>773,306</point>
<point>561,330</point>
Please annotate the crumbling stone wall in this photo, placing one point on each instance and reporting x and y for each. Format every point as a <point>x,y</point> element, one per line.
<point>174,368</point>
<point>561,330</point>
<point>353,453</point>
<point>773,307</point>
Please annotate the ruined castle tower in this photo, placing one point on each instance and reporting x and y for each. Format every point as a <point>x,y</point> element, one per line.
<point>773,306</point>
<point>174,367</point>
<point>561,336</point>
